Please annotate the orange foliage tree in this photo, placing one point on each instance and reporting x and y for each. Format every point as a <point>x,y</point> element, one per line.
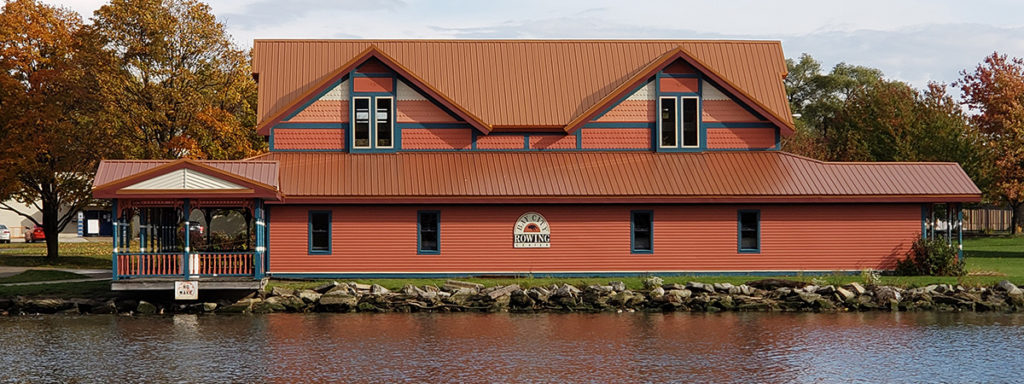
<point>182,88</point>
<point>52,131</point>
<point>995,93</point>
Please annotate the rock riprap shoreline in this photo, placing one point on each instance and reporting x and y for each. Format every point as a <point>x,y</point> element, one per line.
<point>458,296</point>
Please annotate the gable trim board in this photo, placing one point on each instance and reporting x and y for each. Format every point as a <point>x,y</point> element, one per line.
<point>189,178</point>
<point>346,70</point>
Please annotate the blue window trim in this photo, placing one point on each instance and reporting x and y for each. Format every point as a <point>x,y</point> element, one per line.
<point>739,231</point>
<point>632,232</point>
<point>419,240</point>
<point>309,242</point>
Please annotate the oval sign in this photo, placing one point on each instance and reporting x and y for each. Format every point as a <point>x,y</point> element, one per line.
<point>531,231</point>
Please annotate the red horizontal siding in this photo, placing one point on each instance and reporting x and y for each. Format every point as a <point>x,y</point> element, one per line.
<point>293,138</point>
<point>443,138</point>
<point>741,138</point>
<point>422,111</point>
<point>597,238</point>
<point>552,141</point>
<point>679,84</point>
<point>500,142</point>
<point>629,111</point>
<point>616,138</point>
<point>373,84</point>
<point>725,111</point>
<point>323,111</point>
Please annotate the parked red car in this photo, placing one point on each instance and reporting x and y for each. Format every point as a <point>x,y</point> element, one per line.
<point>34,234</point>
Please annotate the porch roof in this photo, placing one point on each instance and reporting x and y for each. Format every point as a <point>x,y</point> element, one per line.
<point>187,178</point>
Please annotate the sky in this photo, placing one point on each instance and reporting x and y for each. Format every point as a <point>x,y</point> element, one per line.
<point>916,41</point>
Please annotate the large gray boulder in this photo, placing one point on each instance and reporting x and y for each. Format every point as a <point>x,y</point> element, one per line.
<point>308,296</point>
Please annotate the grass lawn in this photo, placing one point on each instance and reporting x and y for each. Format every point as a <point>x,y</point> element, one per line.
<point>989,260</point>
<point>92,254</point>
<point>89,289</point>
<point>40,275</point>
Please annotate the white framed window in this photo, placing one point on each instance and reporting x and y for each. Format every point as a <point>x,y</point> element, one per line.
<point>384,123</point>
<point>361,122</point>
<point>688,125</point>
<point>668,116</point>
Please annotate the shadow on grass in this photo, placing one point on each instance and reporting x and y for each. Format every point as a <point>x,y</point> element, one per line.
<point>60,262</point>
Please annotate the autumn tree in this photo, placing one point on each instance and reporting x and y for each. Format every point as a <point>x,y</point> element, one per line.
<point>183,88</point>
<point>995,93</point>
<point>51,131</point>
<point>854,114</point>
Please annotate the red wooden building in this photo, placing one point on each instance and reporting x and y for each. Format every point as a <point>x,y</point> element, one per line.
<point>427,158</point>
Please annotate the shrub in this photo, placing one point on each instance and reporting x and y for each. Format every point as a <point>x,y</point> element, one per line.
<point>931,257</point>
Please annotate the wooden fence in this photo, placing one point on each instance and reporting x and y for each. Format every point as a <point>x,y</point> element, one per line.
<point>986,219</point>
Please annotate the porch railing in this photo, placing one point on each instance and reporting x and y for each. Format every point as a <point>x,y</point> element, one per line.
<point>160,264</point>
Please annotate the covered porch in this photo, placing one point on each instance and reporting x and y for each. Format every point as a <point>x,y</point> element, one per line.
<point>187,220</point>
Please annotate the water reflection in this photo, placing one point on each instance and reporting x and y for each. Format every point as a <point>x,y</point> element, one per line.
<point>731,347</point>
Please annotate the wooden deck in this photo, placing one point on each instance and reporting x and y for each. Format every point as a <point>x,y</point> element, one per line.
<point>205,283</point>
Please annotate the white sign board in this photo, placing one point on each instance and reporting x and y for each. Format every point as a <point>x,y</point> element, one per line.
<point>186,290</point>
<point>92,226</point>
<point>531,231</point>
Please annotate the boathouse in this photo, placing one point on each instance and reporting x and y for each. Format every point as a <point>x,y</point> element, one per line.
<point>513,157</point>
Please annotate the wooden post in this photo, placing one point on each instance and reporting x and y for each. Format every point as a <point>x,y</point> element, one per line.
<point>113,256</point>
<point>188,251</point>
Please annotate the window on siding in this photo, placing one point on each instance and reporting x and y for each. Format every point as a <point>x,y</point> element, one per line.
<point>361,127</point>
<point>667,131</point>
<point>690,131</point>
<point>643,231</point>
<point>429,232</point>
<point>384,123</point>
<point>750,231</point>
<point>319,232</point>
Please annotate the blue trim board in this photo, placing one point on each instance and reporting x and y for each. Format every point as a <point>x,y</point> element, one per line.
<point>632,231</point>
<point>702,130</point>
<point>738,125</point>
<point>649,125</point>
<point>330,223</point>
<point>317,96</point>
<point>621,99</point>
<point>411,275</point>
<point>681,75</point>
<point>739,230</point>
<point>311,126</point>
<point>419,232</point>
<point>579,139</point>
<point>434,125</point>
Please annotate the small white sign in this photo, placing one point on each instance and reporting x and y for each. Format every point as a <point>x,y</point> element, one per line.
<point>186,290</point>
<point>531,231</point>
<point>92,226</point>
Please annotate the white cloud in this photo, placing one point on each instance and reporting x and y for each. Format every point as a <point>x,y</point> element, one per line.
<point>913,40</point>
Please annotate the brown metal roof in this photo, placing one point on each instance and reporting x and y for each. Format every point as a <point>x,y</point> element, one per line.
<point>521,83</point>
<point>261,171</point>
<point>611,177</point>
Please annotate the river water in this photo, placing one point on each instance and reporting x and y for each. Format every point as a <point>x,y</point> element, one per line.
<point>557,348</point>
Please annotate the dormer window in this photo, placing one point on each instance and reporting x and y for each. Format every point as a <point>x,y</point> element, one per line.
<point>675,131</point>
<point>373,122</point>
<point>361,128</point>
<point>384,122</point>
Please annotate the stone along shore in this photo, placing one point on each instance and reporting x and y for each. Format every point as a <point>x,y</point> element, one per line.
<point>458,296</point>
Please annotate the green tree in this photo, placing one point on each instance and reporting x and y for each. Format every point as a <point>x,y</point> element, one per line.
<point>52,131</point>
<point>854,114</point>
<point>995,93</point>
<point>183,88</point>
